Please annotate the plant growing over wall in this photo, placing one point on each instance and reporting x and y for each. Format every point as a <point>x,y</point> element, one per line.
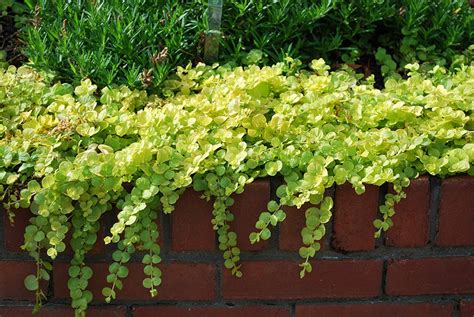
<point>72,154</point>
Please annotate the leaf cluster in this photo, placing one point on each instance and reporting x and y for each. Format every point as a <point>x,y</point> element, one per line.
<point>73,154</point>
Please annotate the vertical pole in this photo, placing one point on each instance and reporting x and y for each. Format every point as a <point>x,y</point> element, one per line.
<point>211,48</point>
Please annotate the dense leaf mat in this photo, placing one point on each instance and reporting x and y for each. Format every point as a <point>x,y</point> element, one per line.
<point>76,153</point>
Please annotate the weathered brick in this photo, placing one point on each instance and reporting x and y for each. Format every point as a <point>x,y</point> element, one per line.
<point>456,212</point>
<point>61,311</point>
<point>14,232</point>
<point>181,281</point>
<point>12,275</point>
<point>454,275</point>
<point>280,280</point>
<point>290,229</point>
<point>230,311</point>
<point>191,227</point>
<point>467,308</point>
<point>376,310</point>
<point>353,218</point>
<point>246,209</point>
<point>410,227</point>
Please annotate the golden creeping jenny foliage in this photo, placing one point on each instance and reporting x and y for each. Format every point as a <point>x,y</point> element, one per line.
<point>72,151</point>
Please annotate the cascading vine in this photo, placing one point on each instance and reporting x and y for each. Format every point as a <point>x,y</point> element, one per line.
<point>73,155</point>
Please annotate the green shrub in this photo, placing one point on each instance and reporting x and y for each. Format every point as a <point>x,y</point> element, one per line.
<point>69,153</point>
<point>347,31</point>
<point>134,42</point>
<point>115,42</point>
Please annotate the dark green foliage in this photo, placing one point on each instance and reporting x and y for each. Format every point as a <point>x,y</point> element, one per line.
<point>347,31</point>
<point>435,30</point>
<point>301,28</point>
<point>118,42</point>
<point>110,41</point>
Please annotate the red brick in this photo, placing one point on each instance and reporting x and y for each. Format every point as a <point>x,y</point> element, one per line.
<point>12,275</point>
<point>353,218</point>
<point>191,227</point>
<point>456,212</point>
<point>467,308</point>
<point>376,310</point>
<point>181,281</point>
<point>290,229</point>
<point>453,275</point>
<point>116,311</point>
<point>410,227</point>
<point>14,233</point>
<point>246,209</point>
<point>234,311</point>
<point>329,279</point>
<point>61,311</point>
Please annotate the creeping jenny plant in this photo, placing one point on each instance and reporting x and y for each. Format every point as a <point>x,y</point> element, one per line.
<point>67,152</point>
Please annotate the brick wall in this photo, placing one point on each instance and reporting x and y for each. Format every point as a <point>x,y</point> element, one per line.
<point>424,266</point>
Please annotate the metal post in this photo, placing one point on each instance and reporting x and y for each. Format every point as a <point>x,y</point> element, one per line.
<point>211,48</point>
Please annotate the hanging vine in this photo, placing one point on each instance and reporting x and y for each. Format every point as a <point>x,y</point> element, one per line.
<point>72,154</point>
